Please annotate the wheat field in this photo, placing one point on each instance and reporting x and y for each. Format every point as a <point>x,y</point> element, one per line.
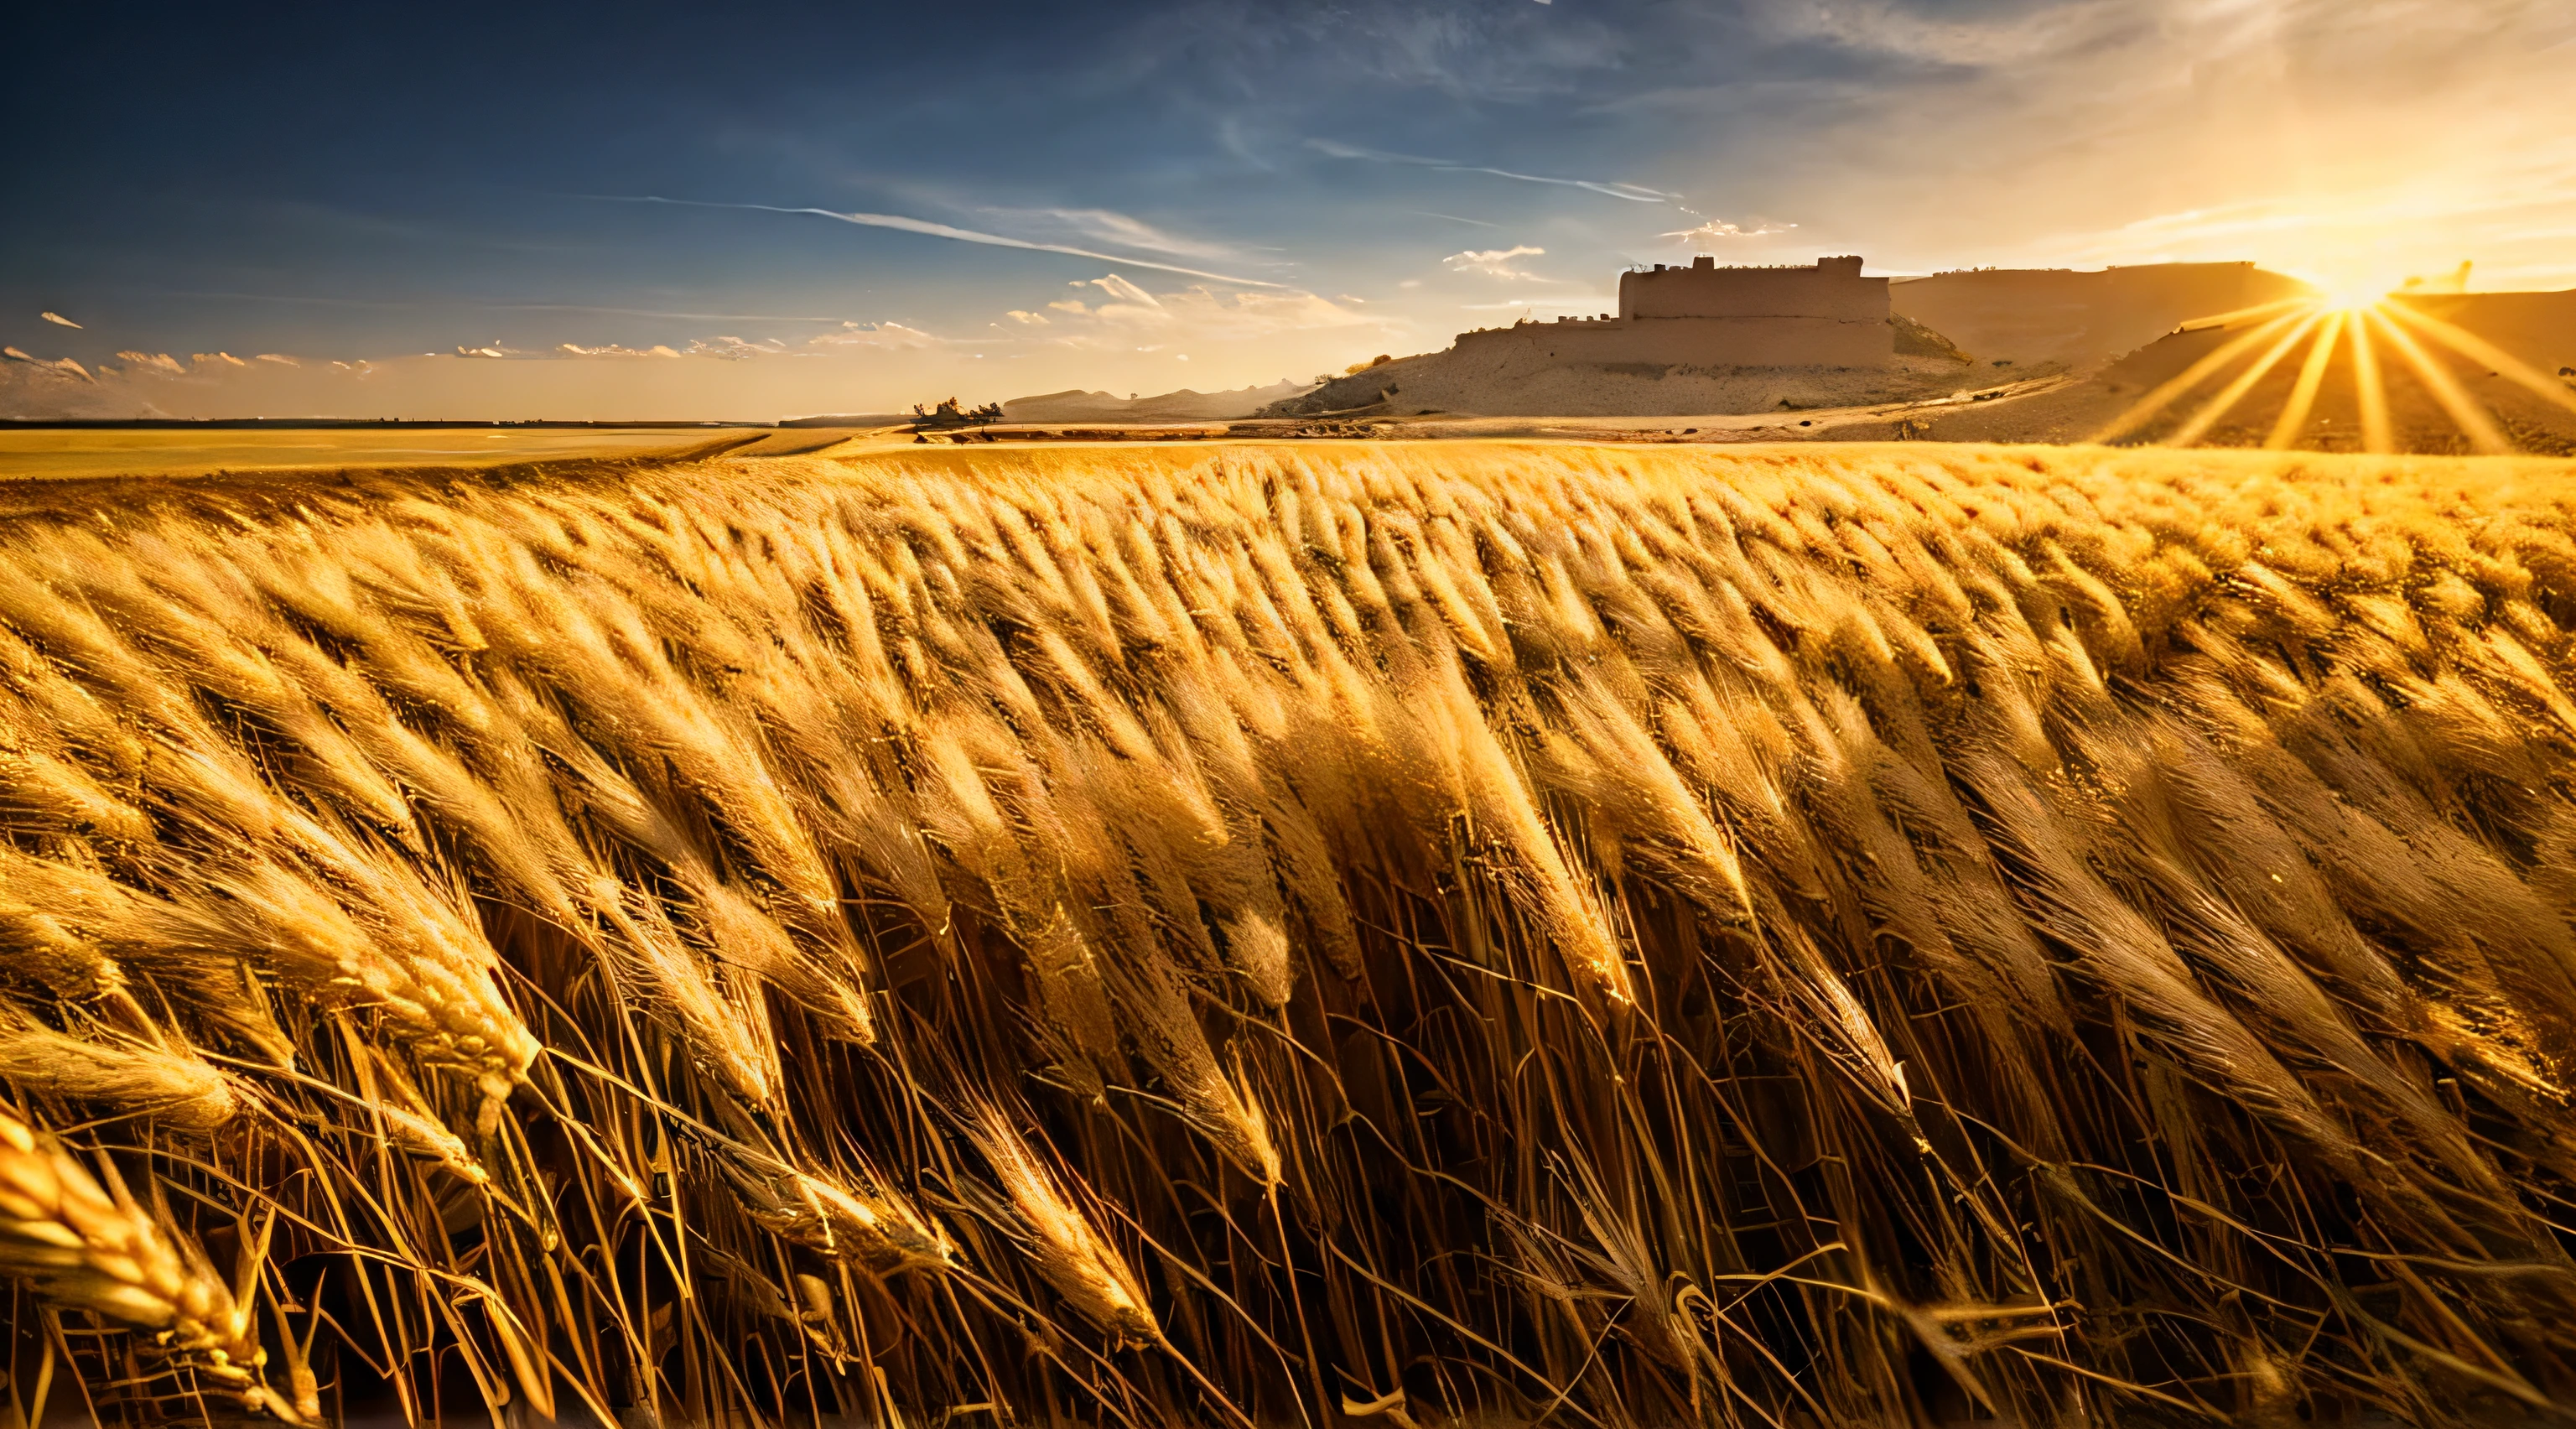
<point>1271,936</point>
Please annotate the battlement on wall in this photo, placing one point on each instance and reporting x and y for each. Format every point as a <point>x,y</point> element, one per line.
<point>1847,264</point>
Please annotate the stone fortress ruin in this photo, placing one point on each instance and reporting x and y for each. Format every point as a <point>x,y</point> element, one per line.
<point>1825,315</point>
<point>1696,338</point>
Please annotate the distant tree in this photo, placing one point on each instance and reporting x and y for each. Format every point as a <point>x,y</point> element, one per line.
<point>949,414</point>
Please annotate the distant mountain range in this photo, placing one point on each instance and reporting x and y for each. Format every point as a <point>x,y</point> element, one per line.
<point>1076,405</point>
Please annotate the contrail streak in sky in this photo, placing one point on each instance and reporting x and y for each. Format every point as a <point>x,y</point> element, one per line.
<point>942,230</point>
<point>1633,193</point>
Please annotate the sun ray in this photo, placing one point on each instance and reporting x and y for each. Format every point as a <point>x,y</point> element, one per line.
<point>2478,349</point>
<point>2473,419</point>
<point>2259,310</point>
<point>2234,392</point>
<point>2312,375</point>
<point>2377,434</point>
<point>2146,408</point>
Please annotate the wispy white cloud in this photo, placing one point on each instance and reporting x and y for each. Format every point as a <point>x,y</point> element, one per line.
<point>482,305</point>
<point>942,230</point>
<point>1101,225</point>
<point>616,350</point>
<point>58,318</point>
<point>1124,291</point>
<point>1028,319</point>
<point>734,349</point>
<point>1634,193</point>
<point>64,366</point>
<point>1472,54</point>
<point>1495,262</point>
<point>2016,37</point>
<point>281,359</point>
<point>876,335</point>
<point>160,362</point>
<point>1718,230</point>
<point>1193,316</point>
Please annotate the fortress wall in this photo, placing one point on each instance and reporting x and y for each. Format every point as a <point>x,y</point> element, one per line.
<point>1689,341</point>
<point>1833,288</point>
<point>1720,333</point>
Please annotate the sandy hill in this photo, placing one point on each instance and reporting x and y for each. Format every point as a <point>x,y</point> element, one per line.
<point>2026,316</point>
<point>2075,412</point>
<point>2539,328</point>
<point>849,419</point>
<point>1522,382</point>
<point>1185,405</point>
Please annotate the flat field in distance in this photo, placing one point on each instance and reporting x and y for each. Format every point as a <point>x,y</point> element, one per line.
<point>74,452</point>
<point>1448,932</point>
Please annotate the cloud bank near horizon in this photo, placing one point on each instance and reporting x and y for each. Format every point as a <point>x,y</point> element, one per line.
<point>1124,336</point>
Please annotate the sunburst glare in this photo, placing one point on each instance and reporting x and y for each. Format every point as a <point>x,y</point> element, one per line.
<point>2362,321</point>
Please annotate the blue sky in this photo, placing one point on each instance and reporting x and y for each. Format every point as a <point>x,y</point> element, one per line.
<point>343,209</point>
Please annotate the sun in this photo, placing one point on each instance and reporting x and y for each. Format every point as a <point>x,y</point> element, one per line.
<point>2354,294</point>
<point>2350,284</point>
<point>2367,320</point>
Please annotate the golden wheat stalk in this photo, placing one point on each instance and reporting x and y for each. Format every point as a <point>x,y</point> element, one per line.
<point>872,1228</point>
<point>1068,1249</point>
<point>85,1248</point>
<point>118,1076</point>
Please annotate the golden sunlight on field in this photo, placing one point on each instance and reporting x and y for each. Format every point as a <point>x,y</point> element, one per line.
<point>81,452</point>
<point>1255,935</point>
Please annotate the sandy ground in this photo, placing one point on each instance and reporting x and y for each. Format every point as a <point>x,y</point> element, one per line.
<point>70,453</point>
<point>1801,424</point>
<point>1526,383</point>
<point>2077,411</point>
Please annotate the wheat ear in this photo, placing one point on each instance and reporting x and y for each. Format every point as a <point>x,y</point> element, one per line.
<point>87,1249</point>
